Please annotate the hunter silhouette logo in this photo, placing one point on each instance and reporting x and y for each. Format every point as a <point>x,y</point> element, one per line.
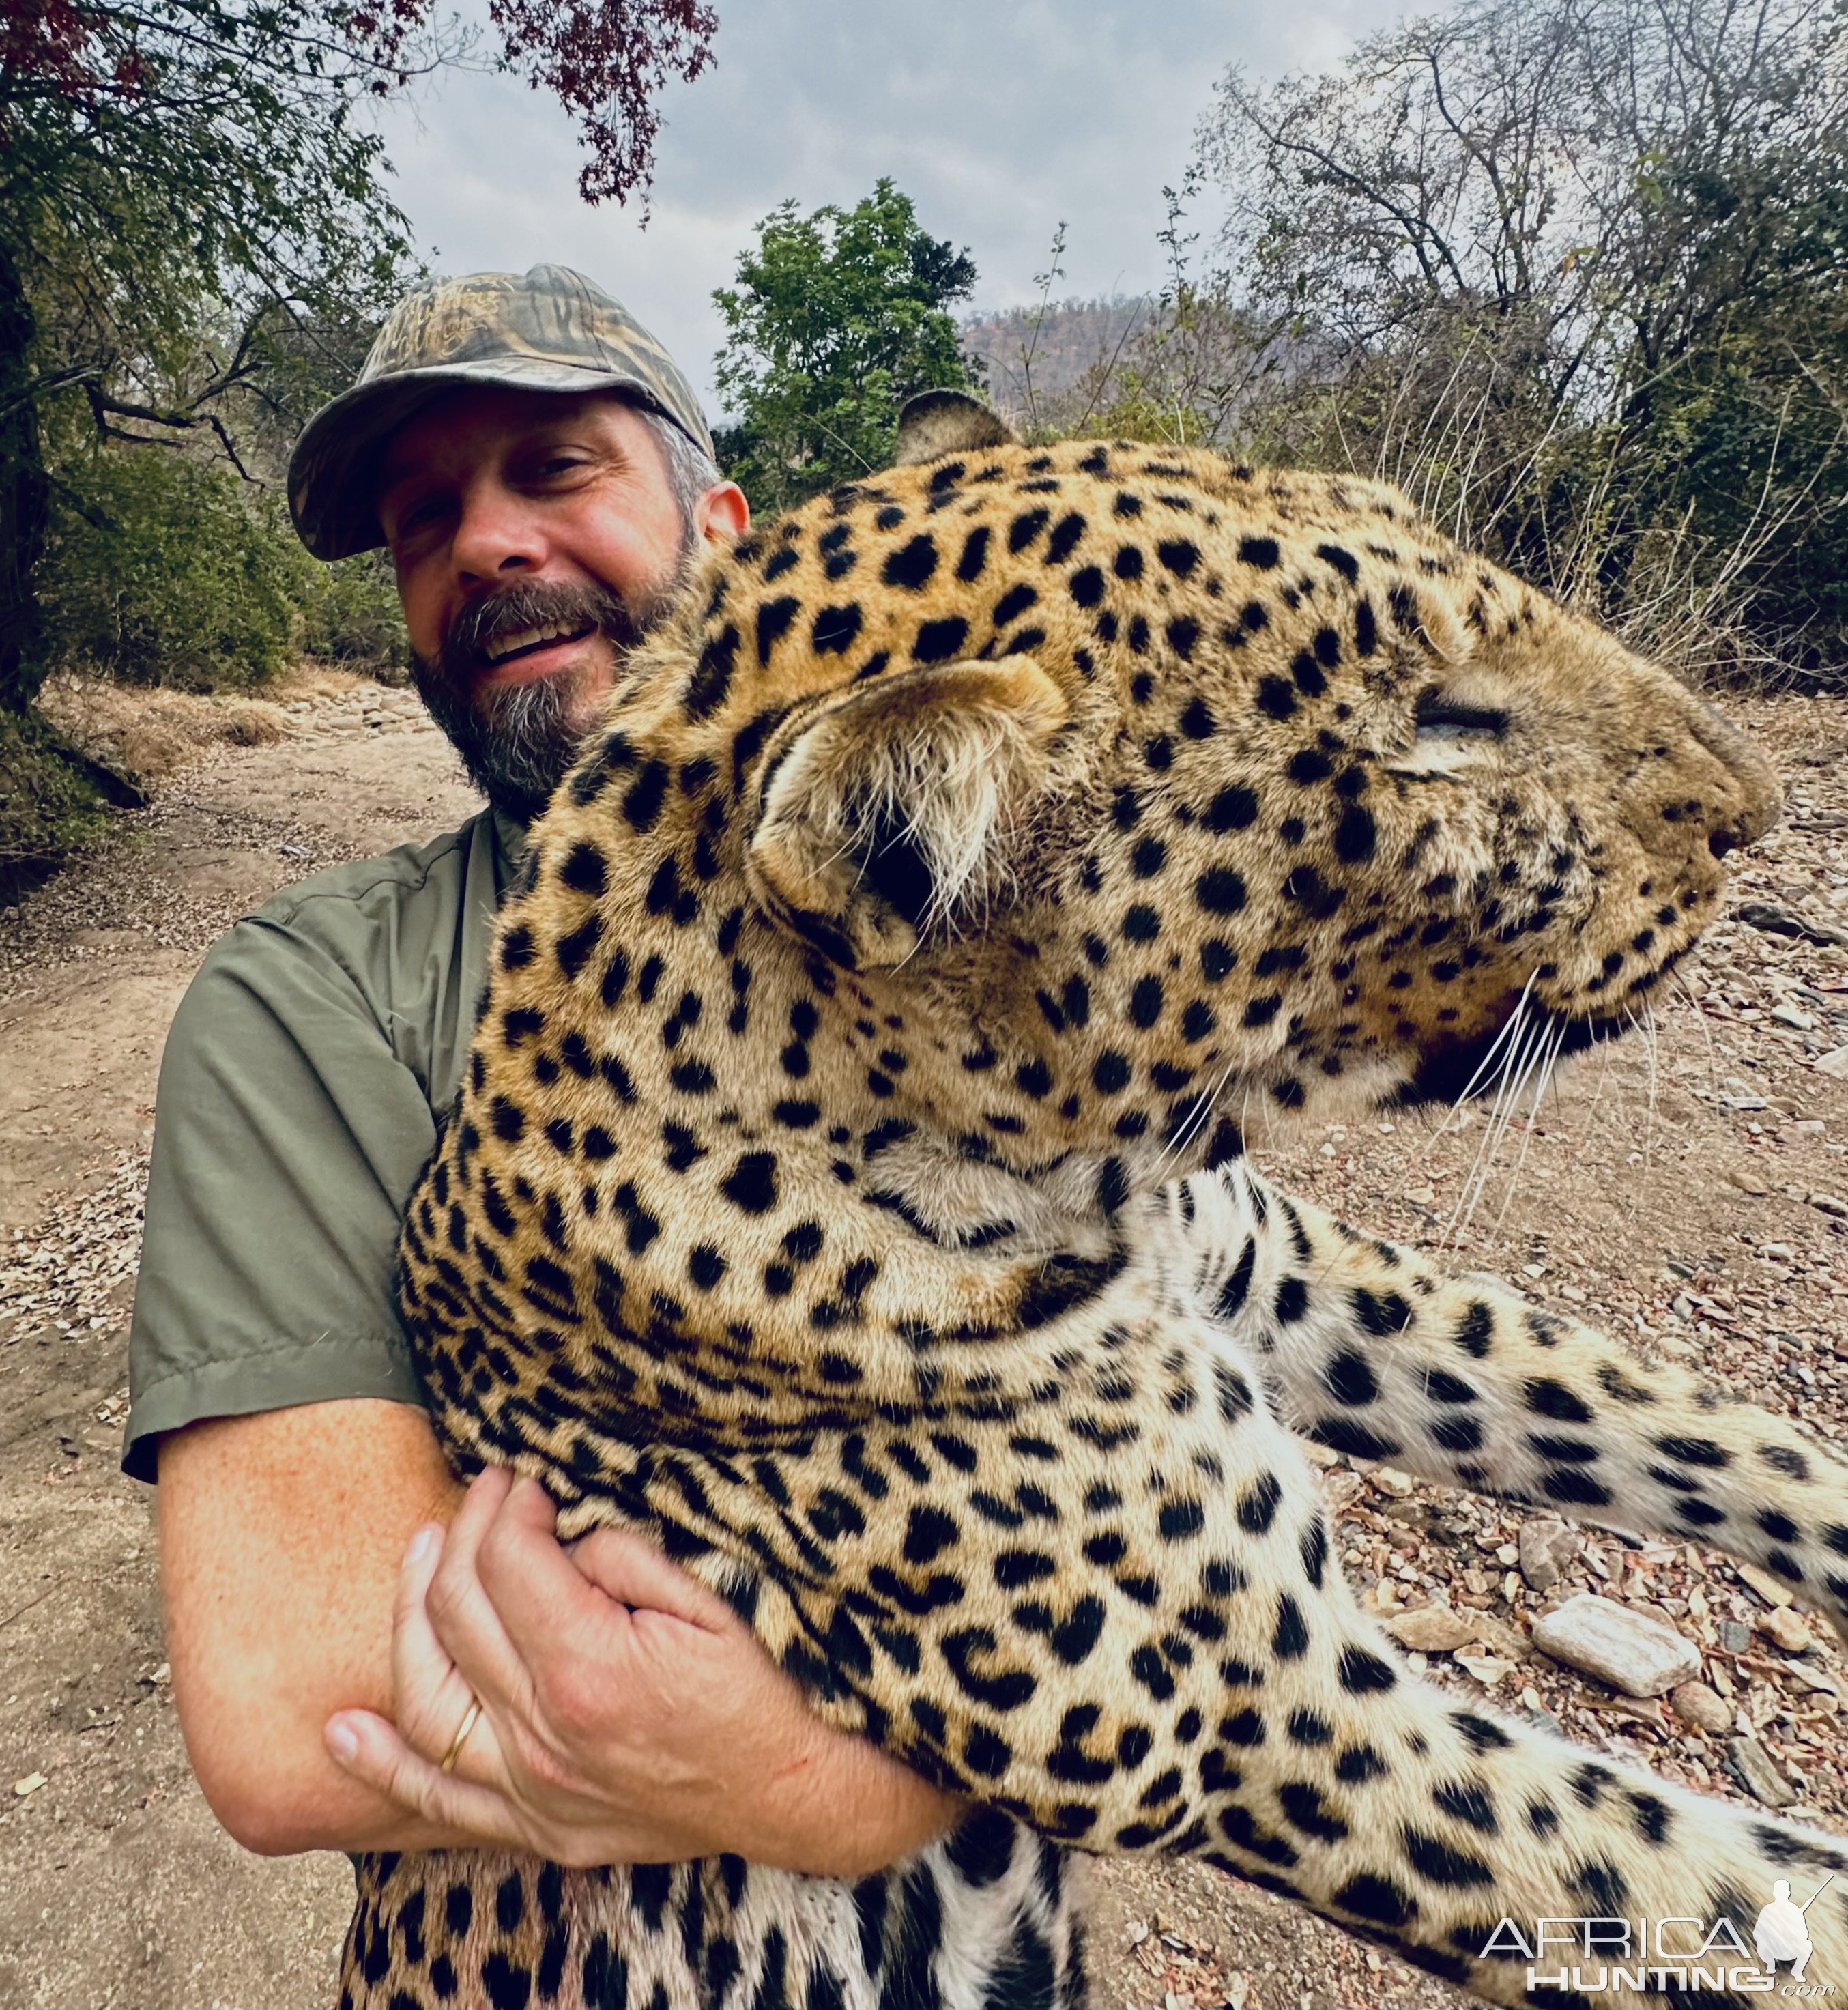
<point>1780,1934</point>
<point>1591,1957</point>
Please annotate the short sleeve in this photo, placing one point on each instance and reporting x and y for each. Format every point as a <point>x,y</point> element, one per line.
<point>296,1109</point>
<point>288,1136</point>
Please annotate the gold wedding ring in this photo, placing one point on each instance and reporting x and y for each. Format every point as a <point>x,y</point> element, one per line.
<point>461,1732</point>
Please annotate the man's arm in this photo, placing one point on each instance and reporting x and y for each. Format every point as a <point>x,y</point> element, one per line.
<point>281,1538</point>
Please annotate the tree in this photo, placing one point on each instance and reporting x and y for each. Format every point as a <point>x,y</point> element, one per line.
<point>1573,269</point>
<point>837,317</point>
<point>196,238</point>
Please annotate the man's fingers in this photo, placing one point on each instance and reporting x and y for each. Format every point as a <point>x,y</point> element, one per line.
<point>462,1620</point>
<point>370,1748</point>
<point>429,1692</point>
<point>546,1604</point>
<point>629,1568</point>
<point>479,1505</point>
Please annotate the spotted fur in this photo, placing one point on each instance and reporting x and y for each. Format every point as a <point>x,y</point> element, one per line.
<point>847,1190</point>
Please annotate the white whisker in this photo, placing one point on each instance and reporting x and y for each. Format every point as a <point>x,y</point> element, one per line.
<point>1487,1061</point>
<point>1522,1060</point>
<point>1549,1057</point>
<point>1513,1072</point>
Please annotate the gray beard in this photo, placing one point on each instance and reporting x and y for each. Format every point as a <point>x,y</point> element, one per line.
<point>518,745</point>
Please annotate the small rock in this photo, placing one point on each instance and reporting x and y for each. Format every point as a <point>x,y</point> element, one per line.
<point>1747,1182</point>
<point>1786,1627</point>
<point>1484,1668</point>
<point>1793,1017</point>
<point>1763,1584</point>
<point>1389,1480</point>
<point>1828,1203</point>
<point>1771,919</point>
<point>1546,1550</point>
<point>1696,1704</point>
<point>1735,1636</point>
<point>1510,1643</point>
<point>1759,1773</point>
<point>1633,1710</point>
<point>1640,1656</point>
<point>1836,1063</point>
<point>31,1785</point>
<point>1432,1629</point>
<point>1735,1094</point>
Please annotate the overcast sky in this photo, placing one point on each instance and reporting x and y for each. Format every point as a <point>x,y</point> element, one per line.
<point>1000,117</point>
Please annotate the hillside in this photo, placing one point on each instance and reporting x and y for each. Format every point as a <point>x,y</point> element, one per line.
<point>1029,355</point>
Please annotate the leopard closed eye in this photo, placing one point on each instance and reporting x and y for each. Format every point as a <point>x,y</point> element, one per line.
<point>847,1189</point>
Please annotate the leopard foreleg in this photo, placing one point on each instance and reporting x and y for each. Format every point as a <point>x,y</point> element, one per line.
<point>1372,1351</point>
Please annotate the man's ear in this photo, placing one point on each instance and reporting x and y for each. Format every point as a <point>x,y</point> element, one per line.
<point>721,514</point>
<point>888,816</point>
<point>934,423</point>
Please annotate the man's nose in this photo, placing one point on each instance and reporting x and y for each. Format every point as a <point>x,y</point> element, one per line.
<point>499,532</point>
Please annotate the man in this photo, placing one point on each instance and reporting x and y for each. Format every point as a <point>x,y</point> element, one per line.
<point>541,472</point>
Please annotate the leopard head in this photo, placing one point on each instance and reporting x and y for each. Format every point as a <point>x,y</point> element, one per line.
<point>1200,792</point>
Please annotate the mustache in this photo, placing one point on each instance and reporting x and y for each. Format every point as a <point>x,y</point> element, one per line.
<point>518,743</point>
<point>571,606</point>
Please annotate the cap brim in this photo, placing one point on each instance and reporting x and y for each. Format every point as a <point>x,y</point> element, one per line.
<point>333,471</point>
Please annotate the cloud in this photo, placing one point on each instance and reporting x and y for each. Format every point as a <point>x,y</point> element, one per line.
<point>1000,122</point>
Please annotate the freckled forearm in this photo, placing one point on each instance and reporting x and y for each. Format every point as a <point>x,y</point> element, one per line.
<point>280,1539</point>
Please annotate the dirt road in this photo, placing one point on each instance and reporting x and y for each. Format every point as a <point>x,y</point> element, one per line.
<point>1684,1193</point>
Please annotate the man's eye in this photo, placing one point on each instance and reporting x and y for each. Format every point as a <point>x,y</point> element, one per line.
<point>415,516</point>
<point>559,464</point>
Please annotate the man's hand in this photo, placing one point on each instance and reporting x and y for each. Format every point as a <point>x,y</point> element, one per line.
<point>627,1714</point>
<point>282,1535</point>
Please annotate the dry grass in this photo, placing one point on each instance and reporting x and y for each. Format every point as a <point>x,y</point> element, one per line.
<point>155,734</point>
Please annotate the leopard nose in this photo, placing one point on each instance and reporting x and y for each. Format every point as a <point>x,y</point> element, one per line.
<point>1757,798</point>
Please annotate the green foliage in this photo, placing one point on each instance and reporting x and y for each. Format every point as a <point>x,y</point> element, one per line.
<point>164,568</point>
<point>351,617</point>
<point>160,571</point>
<point>837,317</point>
<point>194,234</point>
<point>48,806</point>
<point>1572,272</point>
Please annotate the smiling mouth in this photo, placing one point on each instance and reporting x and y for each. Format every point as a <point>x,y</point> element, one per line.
<point>528,641</point>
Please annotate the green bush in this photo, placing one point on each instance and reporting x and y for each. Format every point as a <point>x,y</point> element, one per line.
<point>350,616</point>
<point>165,569</point>
<point>46,805</point>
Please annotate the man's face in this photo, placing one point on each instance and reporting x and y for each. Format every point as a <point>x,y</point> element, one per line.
<point>536,537</point>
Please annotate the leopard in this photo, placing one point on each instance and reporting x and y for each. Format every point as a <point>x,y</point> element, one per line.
<point>849,1189</point>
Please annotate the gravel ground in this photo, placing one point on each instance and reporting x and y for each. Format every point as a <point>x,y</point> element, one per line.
<point>1687,1191</point>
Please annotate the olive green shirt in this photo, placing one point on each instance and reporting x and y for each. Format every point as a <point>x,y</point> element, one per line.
<point>297,1105</point>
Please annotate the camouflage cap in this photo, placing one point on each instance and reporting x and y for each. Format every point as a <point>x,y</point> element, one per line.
<point>549,329</point>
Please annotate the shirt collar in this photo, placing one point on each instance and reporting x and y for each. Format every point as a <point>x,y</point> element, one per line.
<point>509,847</point>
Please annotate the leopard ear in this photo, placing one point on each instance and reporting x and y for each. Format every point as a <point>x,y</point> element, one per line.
<point>935,423</point>
<point>887,817</point>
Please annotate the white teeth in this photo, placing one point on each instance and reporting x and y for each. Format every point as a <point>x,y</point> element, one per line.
<point>511,645</point>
